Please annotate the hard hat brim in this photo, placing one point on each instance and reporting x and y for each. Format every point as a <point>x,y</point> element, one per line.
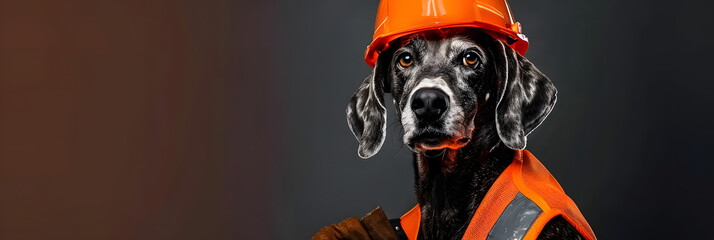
<point>381,42</point>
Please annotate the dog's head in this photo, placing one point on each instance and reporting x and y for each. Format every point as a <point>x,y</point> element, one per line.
<point>445,85</point>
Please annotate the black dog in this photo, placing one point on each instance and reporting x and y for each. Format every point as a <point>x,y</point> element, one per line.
<point>466,101</point>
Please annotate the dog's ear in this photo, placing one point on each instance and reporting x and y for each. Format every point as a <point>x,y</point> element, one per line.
<point>366,114</point>
<point>526,97</point>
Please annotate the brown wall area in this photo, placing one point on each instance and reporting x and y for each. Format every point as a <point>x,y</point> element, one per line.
<point>122,120</point>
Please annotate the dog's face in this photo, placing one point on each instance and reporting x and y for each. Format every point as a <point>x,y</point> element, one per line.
<point>436,87</point>
<point>445,86</point>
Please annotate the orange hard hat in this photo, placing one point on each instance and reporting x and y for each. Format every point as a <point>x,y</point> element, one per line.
<point>398,18</point>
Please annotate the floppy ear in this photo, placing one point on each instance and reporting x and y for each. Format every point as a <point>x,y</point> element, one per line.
<point>366,114</point>
<point>526,98</point>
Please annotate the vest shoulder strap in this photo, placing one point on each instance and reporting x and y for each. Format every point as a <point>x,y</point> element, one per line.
<point>410,222</point>
<point>536,183</point>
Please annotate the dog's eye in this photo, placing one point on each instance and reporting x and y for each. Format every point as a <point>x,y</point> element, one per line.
<point>470,59</point>
<point>406,60</point>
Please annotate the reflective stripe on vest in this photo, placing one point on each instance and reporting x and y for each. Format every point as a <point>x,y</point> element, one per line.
<point>516,220</point>
<point>517,206</point>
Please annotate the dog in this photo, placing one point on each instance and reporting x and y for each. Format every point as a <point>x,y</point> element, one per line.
<point>466,102</point>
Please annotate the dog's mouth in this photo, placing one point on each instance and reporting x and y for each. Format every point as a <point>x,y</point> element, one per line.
<point>432,142</point>
<point>438,148</point>
<point>439,152</point>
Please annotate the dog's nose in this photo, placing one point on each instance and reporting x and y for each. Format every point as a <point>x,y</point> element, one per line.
<point>429,103</point>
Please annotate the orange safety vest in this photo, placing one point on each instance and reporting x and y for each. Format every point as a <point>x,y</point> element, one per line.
<point>518,205</point>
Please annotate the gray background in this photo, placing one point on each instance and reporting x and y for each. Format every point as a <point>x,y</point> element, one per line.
<point>628,139</point>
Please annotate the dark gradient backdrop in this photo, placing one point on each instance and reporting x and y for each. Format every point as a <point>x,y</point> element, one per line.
<point>225,119</point>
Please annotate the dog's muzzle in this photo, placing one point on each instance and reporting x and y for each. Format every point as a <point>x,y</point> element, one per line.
<point>433,110</point>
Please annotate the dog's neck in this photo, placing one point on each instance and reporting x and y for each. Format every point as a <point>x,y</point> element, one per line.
<point>451,186</point>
